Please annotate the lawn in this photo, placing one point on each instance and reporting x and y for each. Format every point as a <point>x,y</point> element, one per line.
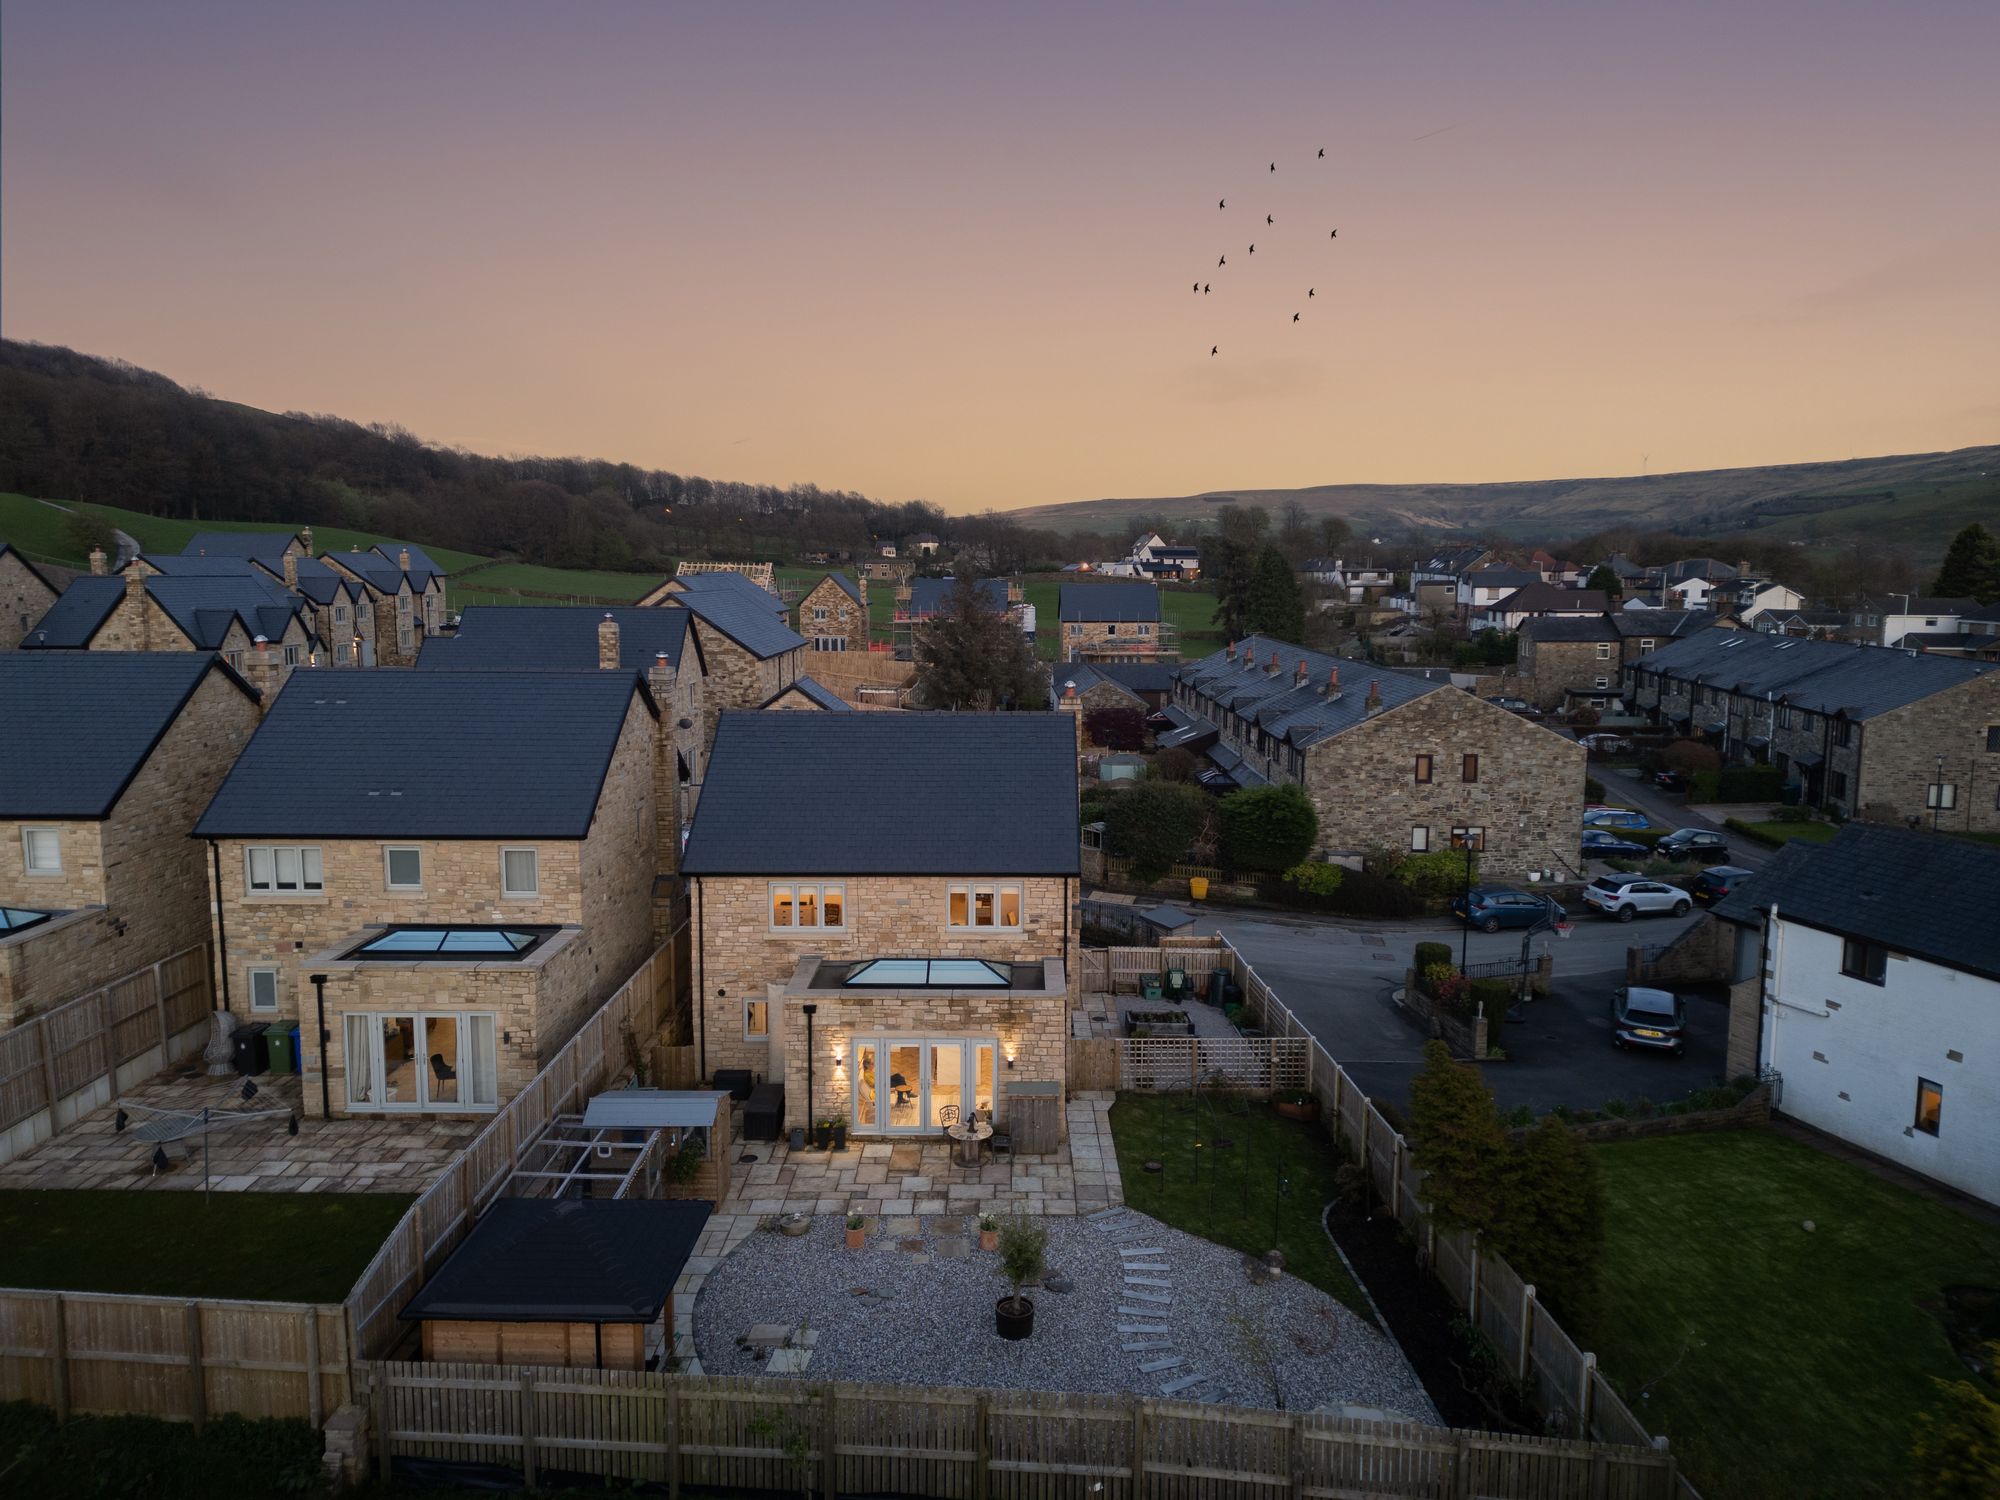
<point>1230,1197</point>
<point>285,1247</point>
<point>1780,1361</point>
<point>568,585</point>
<point>1778,834</point>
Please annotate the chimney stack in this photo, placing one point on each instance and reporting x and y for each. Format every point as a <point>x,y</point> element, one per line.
<point>403,559</point>
<point>1229,651</point>
<point>99,563</point>
<point>1303,673</point>
<point>1332,688</point>
<point>1272,669</point>
<point>607,641</point>
<point>1374,705</point>
<point>306,539</point>
<point>291,570</point>
<point>135,610</point>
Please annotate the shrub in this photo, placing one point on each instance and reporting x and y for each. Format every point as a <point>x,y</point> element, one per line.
<point>1584,718</point>
<point>1791,815</point>
<point>1442,872</point>
<point>1689,757</point>
<point>1551,1217</point>
<point>1705,786</point>
<point>1432,953</point>
<point>1435,976</point>
<point>1359,893</point>
<point>1151,825</point>
<point>1314,878</point>
<point>1174,764</point>
<point>1268,827</point>
<point>1456,1133</point>
<point>1024,1244</point>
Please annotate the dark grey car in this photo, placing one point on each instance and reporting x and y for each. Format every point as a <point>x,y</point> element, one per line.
<point>1648,1020</point>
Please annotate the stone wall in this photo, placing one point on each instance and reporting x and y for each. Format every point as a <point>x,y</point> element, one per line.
<point>1746,1004</point>
<point>844,618</point>
<point>24,599</point>
<point>1130,639</point>
<point>1701,955</point>
<point>55,962</point>
<point>887,917</point>
<point>737,678</point>
<point>1549,669</point>
<point>1903,747</point>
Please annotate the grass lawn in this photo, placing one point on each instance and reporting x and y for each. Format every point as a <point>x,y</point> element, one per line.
<point>1230,1199</point>
<point>284,1247</point>
<point>1783,833</point>
<point>582,585</point>
<point>1811,1353</point>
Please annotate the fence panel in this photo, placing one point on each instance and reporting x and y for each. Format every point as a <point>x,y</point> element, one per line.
<point>1500,1292</point>
<point>1556,1368</point>
<point>1611,1420</point>
<point>1095,1063</point>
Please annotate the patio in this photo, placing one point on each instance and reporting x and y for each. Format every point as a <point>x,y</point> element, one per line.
<point>385,1155</point>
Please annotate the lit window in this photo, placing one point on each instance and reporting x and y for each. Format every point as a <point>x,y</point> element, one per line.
<point>41,850</point>
<point>403,869</point>
<point>1930,1106</point>
<point>520,872</point>
<point>1468,838</point>
<point>971,907</point>
<point>281,869</point>
<point>756,1019</point>
<point>811,908</point>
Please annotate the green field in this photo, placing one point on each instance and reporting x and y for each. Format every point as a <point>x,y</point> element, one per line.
<point>1777,1360</point>
<point>283,1247</point>
<point>1778,834</point>
<point>566,585</point>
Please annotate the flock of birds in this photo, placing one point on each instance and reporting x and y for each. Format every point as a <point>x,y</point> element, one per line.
<point>1204,288</point>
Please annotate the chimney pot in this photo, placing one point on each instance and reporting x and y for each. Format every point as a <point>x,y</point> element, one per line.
<point>1303,672</point>
<point>1332,680</point>
<point>1272,668</point>
<point>306,539</point>
<point>1230,651</point>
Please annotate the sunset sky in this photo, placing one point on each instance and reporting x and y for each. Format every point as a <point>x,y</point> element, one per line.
<point>946,251</point>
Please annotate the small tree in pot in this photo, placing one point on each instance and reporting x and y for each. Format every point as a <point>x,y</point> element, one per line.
<point>989,1232</point>
<point>1024,1248</point>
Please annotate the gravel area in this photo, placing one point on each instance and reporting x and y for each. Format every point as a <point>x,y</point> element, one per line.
<point>925,1317</point>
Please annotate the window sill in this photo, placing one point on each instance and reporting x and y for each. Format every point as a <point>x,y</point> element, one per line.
<point>285,898</point>
<point>805,932</point>
<point>984,931</point>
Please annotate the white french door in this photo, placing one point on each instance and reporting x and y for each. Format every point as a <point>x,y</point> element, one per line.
<point>919,1085</point>
<point>420,1062</point>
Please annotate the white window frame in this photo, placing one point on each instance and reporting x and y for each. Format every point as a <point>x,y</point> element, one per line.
<point>1420,839</point>
<point>819,888</point>
<point>308,861</point>
<point>1941,796</point>
<point>343,653</point>
<point>531,893</point>
<point>1604,651</point>
<point>389,881</point>
<point>368,1023</point>
<point>250,988</point>
<point>969,890</point>
<point>291,656</point>
<point>28,837</point>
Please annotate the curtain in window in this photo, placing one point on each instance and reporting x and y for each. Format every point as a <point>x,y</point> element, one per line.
<point>479,1074</point>
<point>360,1059</point>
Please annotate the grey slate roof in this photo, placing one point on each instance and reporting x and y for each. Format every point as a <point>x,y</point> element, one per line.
<point>1546,596</point>
<point>1300,715</point>
<point>1924,894</point>
<point>1500,576</point>
<point>845,584</point>
<point>534,637</point>
<point>929,595</point>
<point>1569,628</point>
<point>196,565</point>
<point>824,696</point>
<point>747,614</point>
<point>1660,624</point>
<point>1824,676</point>
<point>888,794</point>
<point>77,613</point>
<point>389,753</point>
<point>80,724</point>
<point>1101,602</point>
<point>1086,675</point>
<point>203,605</point>
<point>1912,604</point>
<point>1709,568</point>
<point>245,544</point>
<point>1139,676</point>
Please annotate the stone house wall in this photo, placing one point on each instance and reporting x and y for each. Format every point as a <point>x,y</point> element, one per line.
<point>1081,638</point>
<point>736,677</point>
<point>741,957</point>
<point>844,618</point>
<point>55,962</point>
<point>1903,747</point>
<point>24,599</point>
<point>1554,667</point>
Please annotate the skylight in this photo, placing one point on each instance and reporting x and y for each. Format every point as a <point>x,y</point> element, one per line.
<point>19,918</point>
<point>929,974</point>
<point>501,943</point>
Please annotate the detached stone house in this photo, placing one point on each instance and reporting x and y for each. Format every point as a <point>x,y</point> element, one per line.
<point>833,616</point>
<point>25,596</point>
<point>1391,760</point>
<point>442,873</point>
<point>107,759</point>
<point>915,967</point>
<point>1110,619</point>
<point>1536,601</point>
<point>258,628</point>
<point>1864,731</point>
<point>1869,981</point>
<point>749,654</point>
<point>1579,661</point>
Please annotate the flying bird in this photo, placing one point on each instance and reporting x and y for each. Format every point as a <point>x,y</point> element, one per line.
<point>1204,289</point>
<point>1295,317</point>
<point>1269,220</point>
<point>1224,261</point>
<point>1322,151</point>
<point>1253,249</point>
<point>1222,203</point>
<point>1274,166</point>
<point>1309,291</point>
<point>1333,234</point>
<point>1197,286</point>
<point>1212,348</point>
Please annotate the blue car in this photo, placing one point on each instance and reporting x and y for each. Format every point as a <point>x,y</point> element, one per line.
<point>1601,843</point>
<point>1492,907</point>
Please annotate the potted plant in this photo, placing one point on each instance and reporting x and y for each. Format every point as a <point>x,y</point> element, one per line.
<point>840,1132</point>
<point>857,1231</point>
<point>823,1135</point>
<point>989,1232</point>
<point>1023,1249</point>
<point>1298,1106</point>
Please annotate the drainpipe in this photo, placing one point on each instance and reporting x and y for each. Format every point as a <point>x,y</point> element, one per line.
<point>221,938</point>
<point>700,987</point>
<point>808,1009</point>
<point>325,1088</point>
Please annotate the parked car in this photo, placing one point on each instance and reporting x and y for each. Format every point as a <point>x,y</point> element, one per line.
<point>1599,816</point>
<point>1626,896</point>
<point>1602,843</point>
<point>1717,881</point>
<point>1650,1020</point>
<point>1519,706</point>
<point>1693,843</point>
<point>1670,781</point>
<point>1605,744</point>
<point>1492,907</point>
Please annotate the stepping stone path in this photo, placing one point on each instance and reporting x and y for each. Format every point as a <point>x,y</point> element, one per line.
<point>1148,1292</point>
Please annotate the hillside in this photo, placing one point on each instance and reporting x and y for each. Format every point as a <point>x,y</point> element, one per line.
<point>1918,500</point>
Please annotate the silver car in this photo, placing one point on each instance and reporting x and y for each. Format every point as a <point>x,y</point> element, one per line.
<point>1626,896</point>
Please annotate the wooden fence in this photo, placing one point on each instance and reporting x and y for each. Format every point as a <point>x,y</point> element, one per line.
<point>959,1443</point>
<point>1192,1062</point>
<point>441,1217</point>
<point>1112,971</point>
<point>165,1357</point>
<point>80,1055</point>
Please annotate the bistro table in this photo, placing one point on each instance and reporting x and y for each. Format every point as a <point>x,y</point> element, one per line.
<point>969,1134</point>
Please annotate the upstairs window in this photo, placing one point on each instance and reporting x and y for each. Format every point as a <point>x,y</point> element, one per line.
<point>520,873</point>
<point>817,907</point>
<point>1604,651</point>
<point>403,869</point>
<point>1865,961</point>
<point>1468,768</point>
<point>41,851</point>
<point>1422,774</point>
<point>282,869</point>
<point>975,907</point>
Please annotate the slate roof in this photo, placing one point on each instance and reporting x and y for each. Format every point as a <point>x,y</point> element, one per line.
<point>205,607</point>
<point>556,637</point>
<point>819,693</point>
<point>1924,894</point>
<point>1546,596</point>
<point>353,755</point>
<point>1499,576</point>
<point>1660,624</point>
<point>1623,566</point>
<point>78,611</point>
<point>382,573</point>
<point>968,794</point>
<point>196,565</point>
<point>244,544</point>
<point>1824,676</point>
<point>1100,602</point>
<point>1139,676</point>
<point>420,560</point>
<point>568,1260</point>
<point>1300,715</point>
<point>1709,568</point>
<point>1912,604</point>
<point>1086,675</point>
<point>929,595</point>
<point>845,584</point>
<point>80,724</point>
<point>1569,628</point>
<point>318,582</point>
<point>747,614</point>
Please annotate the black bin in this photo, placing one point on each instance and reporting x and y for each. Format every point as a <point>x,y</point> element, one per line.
<point>764,1115</point>
<point>736,1080</point>
<point>249,1044</point>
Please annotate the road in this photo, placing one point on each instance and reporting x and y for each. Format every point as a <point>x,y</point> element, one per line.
<point>1338,976</point>
<point>1670,810</point>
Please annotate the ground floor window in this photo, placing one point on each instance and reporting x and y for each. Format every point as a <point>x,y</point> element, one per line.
<point>418,1061</point>
<point>1930,1106</point>
<point>829,643</point>
<point>920,1085</point>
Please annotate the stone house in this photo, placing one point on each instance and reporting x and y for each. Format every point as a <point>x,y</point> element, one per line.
<point>107,760</point>
<point>25,596</point>
<point>335,607</point>
<point>1084,688</point>
<point>405,592</point>
<point>806,695</point>
<point>1566,661</point>
<point>887,970</point>
<point>749,654</point>
<point>1867,979</point>
<point>1391,760</point>
<point>833,616</point>
<point>437,922</point>
<point>1883,620</point>
<point>1537,601</point>
<point>921,599</point>
<point>1110,619</point>
<point>1862,731</point>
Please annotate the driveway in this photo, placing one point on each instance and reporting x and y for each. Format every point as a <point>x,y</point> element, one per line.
<point>1337,976</point>
<point>1670,810</point>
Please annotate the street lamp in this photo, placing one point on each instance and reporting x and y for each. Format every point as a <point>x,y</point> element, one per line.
<point>1463,844</point>
<point>1937,795</point>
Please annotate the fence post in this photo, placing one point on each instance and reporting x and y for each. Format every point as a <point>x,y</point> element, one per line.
<point>48,1072</point>
<point>1461,1468</point>
<point>384,1455</point>
<point>160,1008</point>
<point>59,1348</point>
<point>1194,1063</point>
<point>1528,1308</point>
<point>1472,1283</point>
<point>982,1447</point>
<point>1367,1166</point>
<point>673,1440</point>
<point>828,1432</point>
<point>1339,1073</point>
<point>197,1381</point>
<point>315,1402</point>
<point>528,1426</point>
<point>1295,1467</point>
<point>1138,1446</point>
<point>1586,1389</point>
<point>1396,1180</point>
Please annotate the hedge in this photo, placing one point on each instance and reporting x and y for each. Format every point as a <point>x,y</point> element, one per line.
<point>1432,953</point>
<point>1493,996</point>
<point>1739,784</point>
<point>1361,893</point>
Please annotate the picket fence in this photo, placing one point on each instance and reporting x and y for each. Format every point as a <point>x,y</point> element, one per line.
<point>765,1434</point>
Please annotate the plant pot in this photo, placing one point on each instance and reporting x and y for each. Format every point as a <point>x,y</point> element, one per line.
<point>856,1238</point>
<point>989,1239</point>
<point>840,1137</point>
<point>1016,1324</point>
<point>795,1226</point>
<point>1197,887</point>
<point>823,1137</point>
<point>1296,1109</point>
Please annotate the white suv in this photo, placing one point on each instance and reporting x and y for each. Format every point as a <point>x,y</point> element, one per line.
<point>1625,896</point>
